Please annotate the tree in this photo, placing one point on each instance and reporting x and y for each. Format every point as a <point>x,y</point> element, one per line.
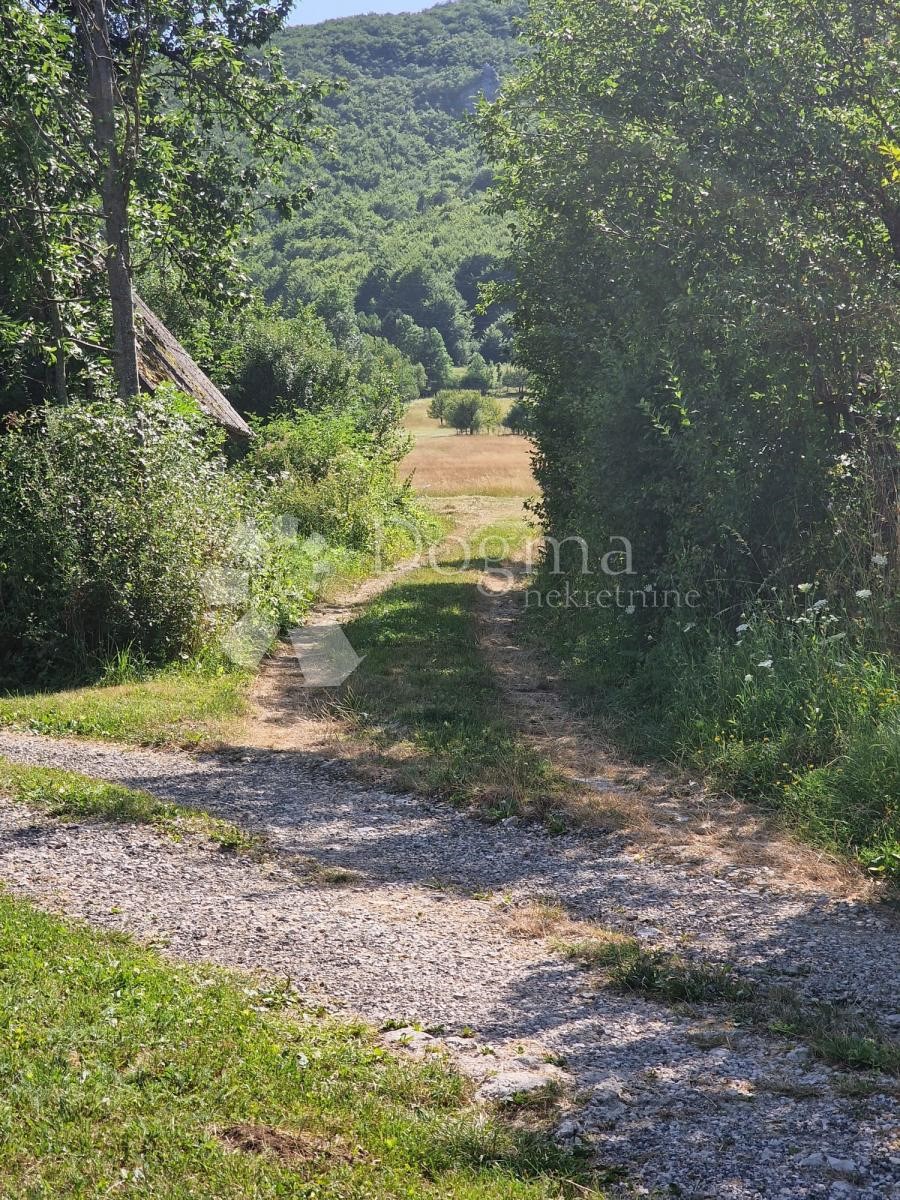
<point>471,412</point>
<point>517,378</point>
<point>47,211</point>
<point>706,282</point>
<point>517,419</point>
<point>172,109</point>
<point>434,358</point>
<point>479,376</point>
<point>465,412</point>
<point>491,413</point>
<point>440,405</point>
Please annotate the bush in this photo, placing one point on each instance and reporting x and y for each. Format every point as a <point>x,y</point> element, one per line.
<point>110,516</point>
<point>332,478</point>
<point>791,710</point>
<point>286,363</point>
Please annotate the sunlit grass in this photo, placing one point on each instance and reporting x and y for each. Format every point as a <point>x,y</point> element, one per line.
<point>122,1075</point>
<point>69,794</point>
<point>180,706</point>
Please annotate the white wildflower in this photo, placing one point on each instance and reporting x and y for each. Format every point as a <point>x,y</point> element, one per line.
<point>748,679</point>
<point>766,663</point>
<point>879,560</point>
<point>742,628</point>
<point>864,594</point>
<point>804,587</point>
<point>819,605</point>
<point>630,609</point>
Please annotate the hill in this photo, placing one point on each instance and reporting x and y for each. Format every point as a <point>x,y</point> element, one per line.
<point>398,235</point>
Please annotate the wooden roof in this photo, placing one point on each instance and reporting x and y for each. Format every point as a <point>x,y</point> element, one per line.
<point>163,359</point>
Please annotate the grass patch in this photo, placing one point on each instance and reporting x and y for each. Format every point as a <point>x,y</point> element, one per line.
<point>181,706</point>
<point>122,1074</point>
<point>425,696</point>
<point>793,713</point>
<point>657,973</point>
<point>833,1033</point>
<point>68,794</point>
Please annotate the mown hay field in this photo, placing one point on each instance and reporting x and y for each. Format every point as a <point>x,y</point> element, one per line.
<point>445,463</point>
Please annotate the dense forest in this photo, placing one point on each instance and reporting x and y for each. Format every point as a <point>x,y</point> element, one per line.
<point>399,234</point>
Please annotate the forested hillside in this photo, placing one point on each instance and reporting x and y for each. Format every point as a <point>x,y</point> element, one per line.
<point>398,231</point>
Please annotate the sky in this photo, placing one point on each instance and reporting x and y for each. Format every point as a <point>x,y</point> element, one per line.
<point>308,12</point>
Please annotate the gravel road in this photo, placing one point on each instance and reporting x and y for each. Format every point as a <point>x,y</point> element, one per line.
<point>419,933</point>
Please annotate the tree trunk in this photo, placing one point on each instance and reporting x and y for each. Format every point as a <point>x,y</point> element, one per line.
<point>94,36</point>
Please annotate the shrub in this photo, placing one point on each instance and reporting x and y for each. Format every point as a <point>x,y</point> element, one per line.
<point>110,516</point>
<point>470,412</point>
<point>336,481</point>
<point>792,710</point>
<point>288,363</point>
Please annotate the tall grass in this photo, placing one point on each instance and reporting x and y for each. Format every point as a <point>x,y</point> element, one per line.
<point>791,709</point>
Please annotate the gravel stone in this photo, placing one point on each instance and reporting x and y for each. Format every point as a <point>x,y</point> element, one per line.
<point>406,940</point>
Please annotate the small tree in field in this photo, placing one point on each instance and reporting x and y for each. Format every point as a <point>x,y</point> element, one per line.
<point>517,378</point>
<point>440,405</point>
<point>479,376</point>
<point>516,420</point>
<point>491,414</point>
<point>470,412</point>
<point>465,413</point>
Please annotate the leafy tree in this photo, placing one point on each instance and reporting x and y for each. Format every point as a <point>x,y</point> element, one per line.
<point>479,376</point>
<point>471,412</point>
<point>434,358</point>
<point>441,404</point>
<point>706,282</point>
<point>516,377</point>
<point>165,112</point>
<point>496,345</point>
<point>517,418</point>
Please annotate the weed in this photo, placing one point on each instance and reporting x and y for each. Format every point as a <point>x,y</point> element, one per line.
<point>833,1033</point>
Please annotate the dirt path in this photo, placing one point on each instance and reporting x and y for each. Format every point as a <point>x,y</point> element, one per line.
<point>284,713</point>
<point>403,910</point>
<point>674,819</point>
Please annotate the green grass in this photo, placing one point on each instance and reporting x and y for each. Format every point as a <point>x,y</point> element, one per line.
<point>122,1075</point>
<point>657,973</point>
<point>794,714</point>
<point>68,794</point>
<point>188,706</point>
<point>834,1033</point>
<point>426,698</point>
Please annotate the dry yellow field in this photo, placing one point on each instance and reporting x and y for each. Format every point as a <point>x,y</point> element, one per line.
<point>445,463</point>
